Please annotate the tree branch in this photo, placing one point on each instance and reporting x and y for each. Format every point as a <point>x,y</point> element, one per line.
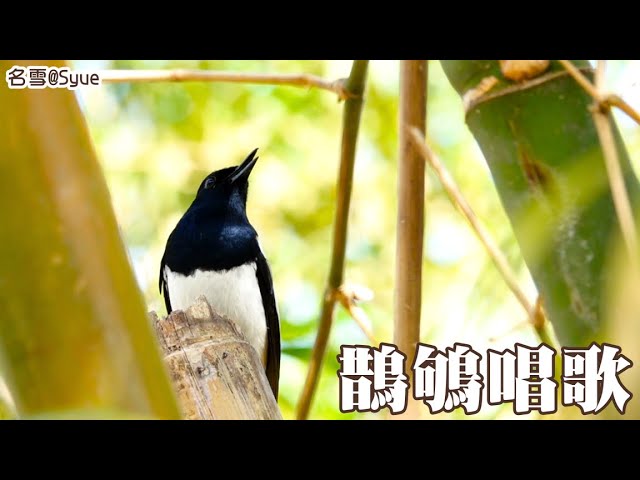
<point>295,80</point>
<point>348,297</point>
<point>580,79</point>
<point>616,101</point>
<point>603,99</point>
<point>350,127</point>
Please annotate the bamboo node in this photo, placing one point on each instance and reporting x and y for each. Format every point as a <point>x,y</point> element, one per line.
<point>473,94</point>
<point>538,317</point>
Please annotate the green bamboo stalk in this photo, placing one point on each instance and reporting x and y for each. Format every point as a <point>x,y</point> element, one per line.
<point>542,148</point>
<point>74,335</point>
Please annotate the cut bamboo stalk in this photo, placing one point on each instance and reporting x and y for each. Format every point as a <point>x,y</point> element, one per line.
<point>216,373</point>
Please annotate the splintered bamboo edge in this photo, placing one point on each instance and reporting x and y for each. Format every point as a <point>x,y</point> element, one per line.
<point>216,373</point>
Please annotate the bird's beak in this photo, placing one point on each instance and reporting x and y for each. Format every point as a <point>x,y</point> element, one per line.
<point>243,170</point>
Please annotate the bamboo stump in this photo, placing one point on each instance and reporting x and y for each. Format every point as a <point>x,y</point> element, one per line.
<point>216,373</point>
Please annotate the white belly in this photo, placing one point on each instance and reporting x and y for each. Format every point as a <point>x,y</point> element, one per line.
<point>234,294</point>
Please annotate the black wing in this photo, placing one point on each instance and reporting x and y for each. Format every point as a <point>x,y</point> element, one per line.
<point>162,283</point>
<point>273,322</point>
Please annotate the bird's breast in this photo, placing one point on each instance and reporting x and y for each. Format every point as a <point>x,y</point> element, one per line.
<point>233,293</point>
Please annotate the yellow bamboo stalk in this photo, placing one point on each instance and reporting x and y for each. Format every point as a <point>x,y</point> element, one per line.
<point>74,335</point>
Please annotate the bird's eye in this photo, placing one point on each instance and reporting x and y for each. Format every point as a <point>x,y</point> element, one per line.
<point>210,183</point>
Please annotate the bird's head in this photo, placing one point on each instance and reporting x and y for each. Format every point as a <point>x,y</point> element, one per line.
<point>228,187</point>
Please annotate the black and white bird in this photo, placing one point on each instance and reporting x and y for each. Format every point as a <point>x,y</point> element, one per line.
<point>214,251</point>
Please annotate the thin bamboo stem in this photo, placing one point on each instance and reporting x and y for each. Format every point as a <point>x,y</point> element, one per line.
<point>602,120</point>
<point>534,311</point>
<point>358,315</point>
<point>410,222</point>
<point>604,99</point>
<point>350,127</point>
<point>295,80</point>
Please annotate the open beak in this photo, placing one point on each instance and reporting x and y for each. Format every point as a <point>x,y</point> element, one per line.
<point>243,170</point>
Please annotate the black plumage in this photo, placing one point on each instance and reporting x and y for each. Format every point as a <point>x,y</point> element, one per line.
<point>215,234</point>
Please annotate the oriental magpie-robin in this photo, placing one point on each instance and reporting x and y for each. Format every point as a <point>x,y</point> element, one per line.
<point>214,251</point>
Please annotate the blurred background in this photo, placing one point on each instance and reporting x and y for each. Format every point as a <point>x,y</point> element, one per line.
<point>156,142</point>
